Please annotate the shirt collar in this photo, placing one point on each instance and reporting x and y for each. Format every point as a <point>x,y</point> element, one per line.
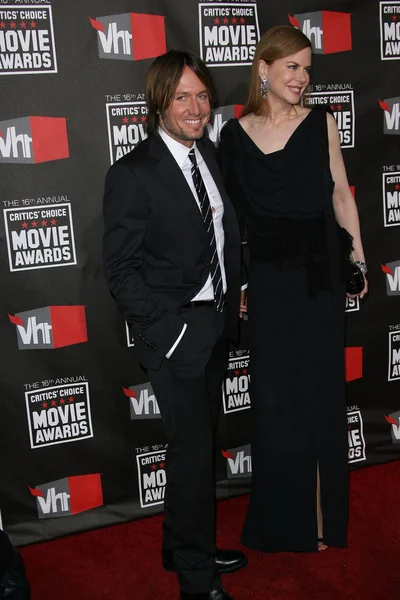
<point>179,151</point>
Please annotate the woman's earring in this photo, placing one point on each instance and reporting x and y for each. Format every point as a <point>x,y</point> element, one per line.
<point>264,88</point>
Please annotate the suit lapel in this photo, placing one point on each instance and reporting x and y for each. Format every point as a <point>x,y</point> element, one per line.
<point>175,181</point>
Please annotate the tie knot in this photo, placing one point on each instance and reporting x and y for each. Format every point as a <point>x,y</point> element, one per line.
<point>192,157</point>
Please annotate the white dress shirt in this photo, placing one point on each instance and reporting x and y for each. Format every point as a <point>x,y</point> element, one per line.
<point>180,152</point>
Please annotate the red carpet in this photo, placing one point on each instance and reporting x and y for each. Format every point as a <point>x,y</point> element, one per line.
<point>123,562</point>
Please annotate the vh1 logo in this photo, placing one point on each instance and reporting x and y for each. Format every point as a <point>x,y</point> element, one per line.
<point>328,31</point>
<point>238,461</point>
<point>50,327</point>
<point>68,496</point>
<point>33,140</point>
<point>143,402</point>
<point>130,36</point>
<point>392,272</point>
<point>391,110</point>
<point>220,116</point>
<point>394,420</point>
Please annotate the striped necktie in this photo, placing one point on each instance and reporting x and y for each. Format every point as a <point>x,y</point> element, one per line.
<point>206,211</point>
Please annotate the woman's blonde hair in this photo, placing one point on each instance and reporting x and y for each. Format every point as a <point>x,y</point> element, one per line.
<point>278,42</point>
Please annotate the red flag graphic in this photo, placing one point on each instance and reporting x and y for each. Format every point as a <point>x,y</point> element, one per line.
<point>129,393</point>
<point>69,325</point>
<point>336,29</point>
<point>85,492</point>
<point>227,454</point>
<point>353,363</point>
<point>386,269</point>
<point>50,138</point>
<point>293,21</point>
<point>36,492</point>
<point>238,110</point>
<point>148,35</point>
<point>391,420</point>
<point>97,25</point>
<point>16,320</point>
<point>384,105</point>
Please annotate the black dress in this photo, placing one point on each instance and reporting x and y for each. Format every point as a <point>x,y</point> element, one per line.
<point>296,321</point>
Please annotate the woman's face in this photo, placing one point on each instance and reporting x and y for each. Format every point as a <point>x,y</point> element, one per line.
<point>288,77</point>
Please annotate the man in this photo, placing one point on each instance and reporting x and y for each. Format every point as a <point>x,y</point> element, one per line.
<point>172,262</point>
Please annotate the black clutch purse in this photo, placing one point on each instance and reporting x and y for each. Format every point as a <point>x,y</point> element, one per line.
<point>355,279</point>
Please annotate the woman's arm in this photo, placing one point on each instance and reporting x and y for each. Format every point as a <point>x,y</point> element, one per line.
<point>226,159</point>
<point>226,154</point>
<point>343,202</point>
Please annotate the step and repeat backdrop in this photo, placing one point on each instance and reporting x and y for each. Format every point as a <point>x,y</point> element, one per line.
<point>82,442</point>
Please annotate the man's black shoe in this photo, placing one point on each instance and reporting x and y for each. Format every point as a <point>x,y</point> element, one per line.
<point>227,561</point>
<point>14,585</point>
<point>218,594</point>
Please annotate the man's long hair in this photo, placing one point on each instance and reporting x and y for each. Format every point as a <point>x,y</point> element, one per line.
<point>163,78</point>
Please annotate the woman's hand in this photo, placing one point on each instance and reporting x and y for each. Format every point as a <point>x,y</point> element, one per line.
<point>363,292</point>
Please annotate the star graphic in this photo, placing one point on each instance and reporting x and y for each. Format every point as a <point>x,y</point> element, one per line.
<point>2,25</point>
<point>394,18</point>
<point>23,25</point>
<point>62,401</point>
<point>134,119</point>
<point>226,21</point>
<point>125,120</point>
<point>24,225</point>
<point>71,399</point>
<point>54,402</point>
<point>34,224</point>
<point>44,405</point>
<point>234,20</point>
<point>217,21</point>
<point>44,223</point>
<point>237,372</point>
<point>32,24</point>
<point>348,427</point>
<point>332,107</point>
<point>244,371</point>
<point>162,465</point>
<point>13,24</point>
<point>153,468</point>
<point>53,221</point>
<point>143,118</point>
<point>339,107</point>
<point>243,20</point>
<point>397,186</point>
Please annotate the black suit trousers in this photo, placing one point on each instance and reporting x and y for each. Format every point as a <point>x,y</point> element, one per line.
<point>188,389</point>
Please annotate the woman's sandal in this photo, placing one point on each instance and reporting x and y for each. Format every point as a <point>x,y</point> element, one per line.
<point>321,545</point>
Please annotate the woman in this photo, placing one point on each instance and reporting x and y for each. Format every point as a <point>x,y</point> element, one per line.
<point>283,168</point>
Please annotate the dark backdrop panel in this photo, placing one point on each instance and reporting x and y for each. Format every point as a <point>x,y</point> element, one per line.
<point>82,441</point>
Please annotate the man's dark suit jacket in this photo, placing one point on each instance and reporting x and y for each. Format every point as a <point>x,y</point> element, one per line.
<point>156,251</point>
